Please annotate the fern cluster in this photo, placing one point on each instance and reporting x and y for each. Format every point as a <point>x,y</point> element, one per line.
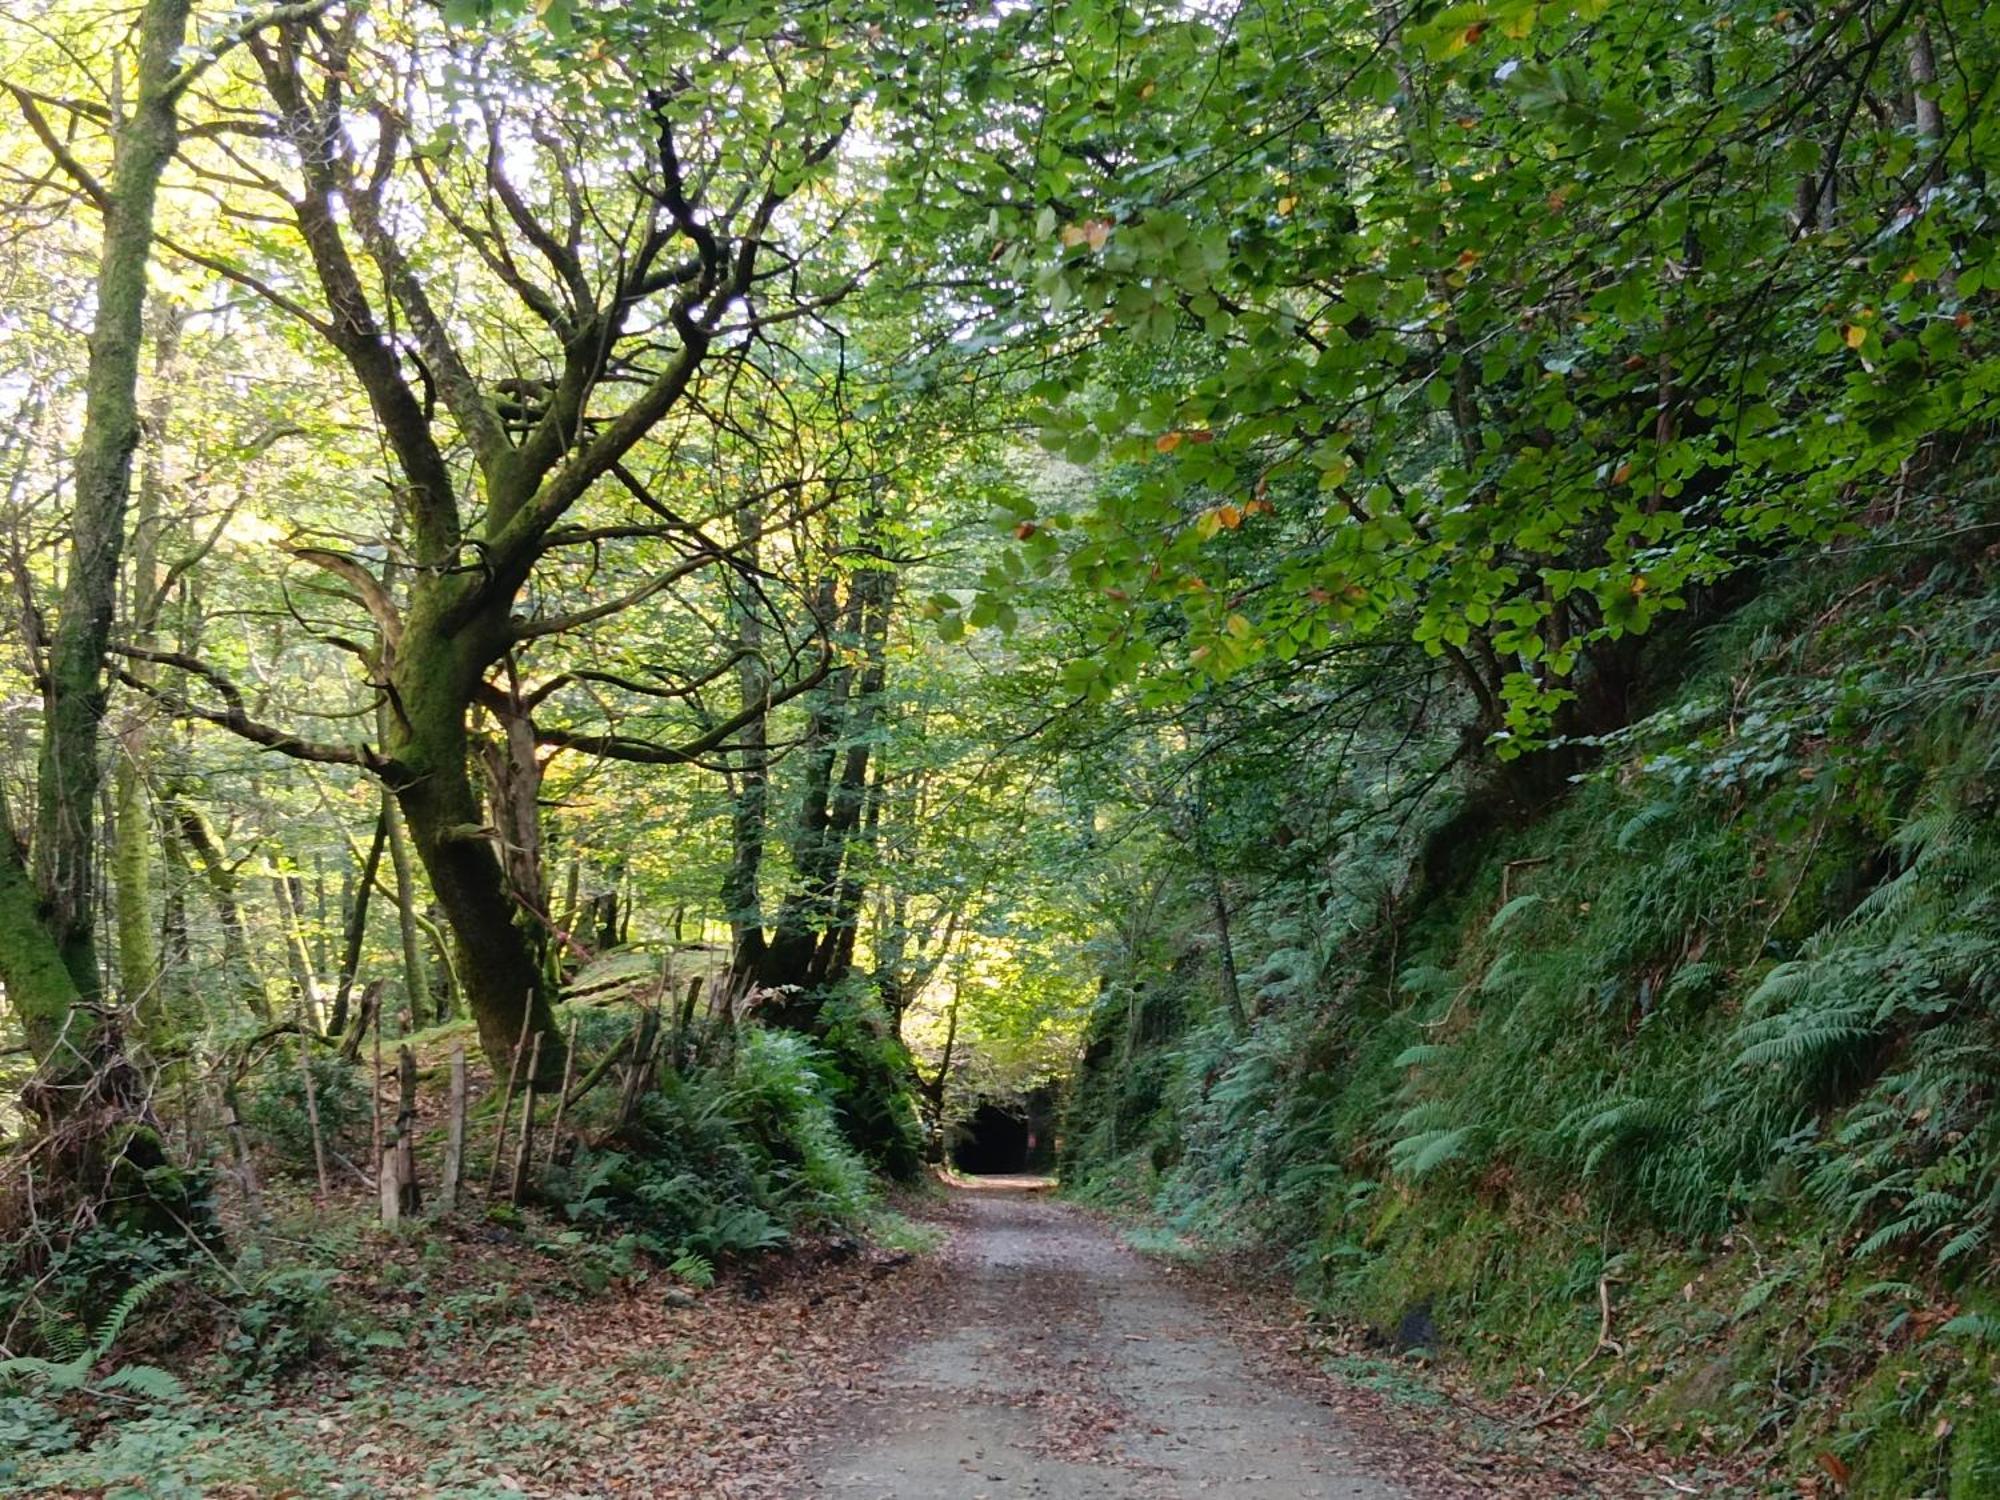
<point>79,1351</point>
<point>724,1161</point>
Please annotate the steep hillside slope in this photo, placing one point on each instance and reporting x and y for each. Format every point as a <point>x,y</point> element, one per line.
<point>1676,1097</point>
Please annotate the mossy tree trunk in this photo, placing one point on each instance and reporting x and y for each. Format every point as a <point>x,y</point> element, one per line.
<point>133,834</point>
<point>437,678</point>
<point>48,950</point>
<point>811,944</point>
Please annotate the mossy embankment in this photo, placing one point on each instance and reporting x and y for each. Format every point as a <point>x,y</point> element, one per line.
<point>1675,1097</point>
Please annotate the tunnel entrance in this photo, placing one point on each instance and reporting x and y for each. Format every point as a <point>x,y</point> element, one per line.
<point>991,1143</point>
<point>1001,1139</point>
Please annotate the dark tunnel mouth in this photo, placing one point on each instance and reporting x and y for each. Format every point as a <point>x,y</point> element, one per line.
<point>993,1143</point>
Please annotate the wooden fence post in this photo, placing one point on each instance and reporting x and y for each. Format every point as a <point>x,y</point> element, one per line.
<point>454,1136</point>
<point>411,1195</point>
<point>562,1099</point>
<point>239,1145</point>
<point>685,1023</point>
<point>524,1154</point>
<point>312,1107</point>
<point>395,1160</point>
<point>507,1099</point>
<point>645,1041</point>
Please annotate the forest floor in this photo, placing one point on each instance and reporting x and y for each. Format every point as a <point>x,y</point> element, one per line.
<point>1035,1354</point>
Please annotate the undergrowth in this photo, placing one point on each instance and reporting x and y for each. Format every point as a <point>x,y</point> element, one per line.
<point>718,1164</point>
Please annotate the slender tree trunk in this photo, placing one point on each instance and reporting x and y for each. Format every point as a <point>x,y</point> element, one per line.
<point>132,823</point>
<point>51,917</point>
<point>934,1088</point>
<point>807,940</point>
<point>357,921</point>
<point>416,980</point>
<point>297,951</point>
<point>1928,112</point>
<point>220,880</point>
<point>742,902</point>
<point>1225,952</point>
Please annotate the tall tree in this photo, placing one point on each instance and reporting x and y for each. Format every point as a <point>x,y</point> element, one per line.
<point>48,949</point>
<point>627,228</point>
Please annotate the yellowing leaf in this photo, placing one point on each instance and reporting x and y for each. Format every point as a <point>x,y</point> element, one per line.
<point>1166,442</point>
<point>1097,231</point>
<point>1855,334</point>
<point>1229,516</point>
<point>1287,204</point>
<point>1073,235</point>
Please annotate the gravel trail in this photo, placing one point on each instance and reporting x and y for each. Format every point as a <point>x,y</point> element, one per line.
<point>1060,1365</point>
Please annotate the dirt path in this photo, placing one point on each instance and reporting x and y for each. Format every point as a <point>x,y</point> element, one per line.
<point>1063,1366</point>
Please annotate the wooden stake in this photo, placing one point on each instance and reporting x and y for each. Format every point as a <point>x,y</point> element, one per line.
<point>312,1107</point>
<point>562,1099</point>
<point>409,1194</point>
<point>685,1022</point>
<point>454,1136</point>
<point>389,1185</point>
<point>599,1069</point>
<point>507,1099</point>
<point>375,1106</point>
<point>642,1057</point>
<point>524,1153</point>
<point>239,1145</point>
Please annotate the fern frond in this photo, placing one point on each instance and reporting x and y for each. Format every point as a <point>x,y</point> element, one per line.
<point>63,1335</point>
<point>695,1270</point>
<point>1981,1328</point>
<point>1645,819</point>
<point>1784,985</point>
<point>1427,1115</point>
<point>25,1368</point>
<point>149,1381</point>
<point>1795,1039</point>
<point>1962,1243</point>
<point>1504,918</point>
<point>135,1296</point>
<point>1419,1155</point>
<point>1421,1054</point>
